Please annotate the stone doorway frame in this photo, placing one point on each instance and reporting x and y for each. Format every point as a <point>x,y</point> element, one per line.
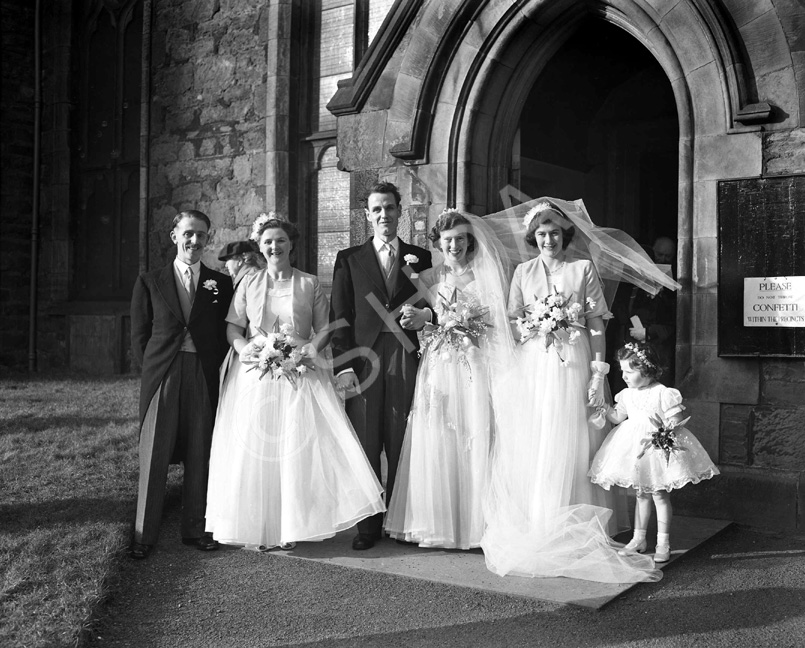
<point>465,89</point>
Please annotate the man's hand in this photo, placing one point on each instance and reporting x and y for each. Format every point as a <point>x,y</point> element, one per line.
<point>638,334</point>
<point>414,319</point>
<point>347,382</point>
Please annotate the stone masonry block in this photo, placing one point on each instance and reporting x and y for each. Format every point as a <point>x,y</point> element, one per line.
<point>720,380</point>
<point>705,204</point>
<point>779,438</point>
<point>728,156</point>
<point>783,383</point>
<point>705,265</point>
<point>691,45</point>
<point>784,153</point>
<point>766,43</point>
<point>779,88</point>
<point>705,318</point>
<point>759,498</point>
<point>705,424</point>
<point>708,102</point>
<point>735,434</point>
<point>745,11</point>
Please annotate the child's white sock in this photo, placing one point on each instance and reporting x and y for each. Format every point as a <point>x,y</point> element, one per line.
<point>663,539</point>
<point>639,534</point>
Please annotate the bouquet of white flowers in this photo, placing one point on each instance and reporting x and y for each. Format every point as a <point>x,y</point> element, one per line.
<point>461,324</point>
<point>278,354</point>
<point>555,319</point>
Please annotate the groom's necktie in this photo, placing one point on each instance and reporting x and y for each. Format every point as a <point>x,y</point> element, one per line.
<point>389,258</point>
<point>189,286</point>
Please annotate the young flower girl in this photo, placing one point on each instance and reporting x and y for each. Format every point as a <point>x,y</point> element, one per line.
<point>649,450</point>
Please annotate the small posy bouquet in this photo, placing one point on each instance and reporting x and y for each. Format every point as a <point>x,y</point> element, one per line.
<point>555,319</point>
<point>277,354</point>
<point>663,439</point>
<point>461,324</point>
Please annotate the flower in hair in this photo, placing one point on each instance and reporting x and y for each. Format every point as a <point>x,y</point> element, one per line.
<point>640,353</point>
<point>536,209</point>
<point>261,220</point>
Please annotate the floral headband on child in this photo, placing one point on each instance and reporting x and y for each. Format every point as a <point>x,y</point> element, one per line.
<point>641,355</point>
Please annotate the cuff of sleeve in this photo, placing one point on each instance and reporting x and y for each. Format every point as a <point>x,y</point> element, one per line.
<point>601,368</point>
<point>343,371</point>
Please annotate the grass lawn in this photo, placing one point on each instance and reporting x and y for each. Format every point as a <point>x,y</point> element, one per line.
<point>68,479</point>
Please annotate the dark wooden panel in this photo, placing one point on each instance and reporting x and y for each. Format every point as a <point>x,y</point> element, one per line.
<point>761,233</point>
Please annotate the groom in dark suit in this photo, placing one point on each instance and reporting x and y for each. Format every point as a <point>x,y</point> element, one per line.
<point>178,335</point>
<point>374,345</point>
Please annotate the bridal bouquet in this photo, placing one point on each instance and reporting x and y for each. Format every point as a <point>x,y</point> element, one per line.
<point>663,439</point>
<point>554,318</point>
<point>461,325</point>
<point>277,354</point>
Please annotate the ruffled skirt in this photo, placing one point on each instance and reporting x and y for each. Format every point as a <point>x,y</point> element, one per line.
<point>617,462</point>
<point>285,465</point>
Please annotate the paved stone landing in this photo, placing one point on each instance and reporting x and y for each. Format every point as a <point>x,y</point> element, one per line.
<point>467,568</point>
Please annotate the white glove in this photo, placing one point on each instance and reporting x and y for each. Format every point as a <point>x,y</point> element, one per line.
<point>638,334</point>
<point>595,390</point>
<point>309,351</point>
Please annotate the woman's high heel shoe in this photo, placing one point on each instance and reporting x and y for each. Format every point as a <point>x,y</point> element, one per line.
<point>662,553</point>
<point>635,546</point>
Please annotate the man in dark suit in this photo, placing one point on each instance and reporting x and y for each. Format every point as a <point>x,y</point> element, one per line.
<point>374,346</point>
<point>178,335</point>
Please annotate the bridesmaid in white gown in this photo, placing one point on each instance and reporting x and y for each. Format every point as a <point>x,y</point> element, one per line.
<point>544,517</point>
<point>285,465</point>
<point>443,472</point>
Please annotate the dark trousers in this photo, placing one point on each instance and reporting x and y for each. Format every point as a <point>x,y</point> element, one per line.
<point>179,418</point>
<point>379,413</point>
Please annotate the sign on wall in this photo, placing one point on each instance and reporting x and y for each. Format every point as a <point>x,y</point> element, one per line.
<point>761,267</point>
<point>774,301</point>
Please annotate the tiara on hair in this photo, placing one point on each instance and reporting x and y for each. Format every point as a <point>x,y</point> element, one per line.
<point>261,220</point>
<point>536,209</point>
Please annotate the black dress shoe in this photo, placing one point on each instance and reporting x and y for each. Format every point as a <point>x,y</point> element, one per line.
<point>204,543</point>
<point>364,541</point>
<point>140,551</point>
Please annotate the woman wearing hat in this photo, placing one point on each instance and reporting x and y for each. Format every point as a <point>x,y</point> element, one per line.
<point>240,259</point>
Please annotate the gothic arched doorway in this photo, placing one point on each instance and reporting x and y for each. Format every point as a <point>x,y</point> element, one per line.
<point>600,123</point>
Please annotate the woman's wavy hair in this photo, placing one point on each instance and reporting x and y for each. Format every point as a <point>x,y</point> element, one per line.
<point>272,222</point>
<point>568,231</point>
<point>448,220</point>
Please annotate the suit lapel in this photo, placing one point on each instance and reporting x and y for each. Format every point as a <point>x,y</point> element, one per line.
<point>166,285</point>
<point>367,258</point>
<point>204,296</point>
<point>402,278</point>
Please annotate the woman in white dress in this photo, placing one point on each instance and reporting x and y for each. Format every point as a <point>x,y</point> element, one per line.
<point>544,516</point>
<point>285,465</point>
<point>443,472</point>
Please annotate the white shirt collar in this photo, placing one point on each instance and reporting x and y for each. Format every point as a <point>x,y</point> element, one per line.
<point>181,266</point>
<point>378,243</point>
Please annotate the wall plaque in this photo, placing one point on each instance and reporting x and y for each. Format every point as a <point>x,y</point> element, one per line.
<point>761,267</point>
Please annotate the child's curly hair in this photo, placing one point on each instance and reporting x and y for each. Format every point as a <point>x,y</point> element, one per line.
<point>642,357</point>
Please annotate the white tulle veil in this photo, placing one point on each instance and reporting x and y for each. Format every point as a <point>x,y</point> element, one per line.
<point>616,255</point>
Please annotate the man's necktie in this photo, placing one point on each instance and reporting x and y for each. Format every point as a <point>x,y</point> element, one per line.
<point>390,259</point>
<point>188,284</point>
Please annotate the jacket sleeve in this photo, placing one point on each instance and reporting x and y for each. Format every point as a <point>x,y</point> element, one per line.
<point>342,314</point>
<point>142,319</point>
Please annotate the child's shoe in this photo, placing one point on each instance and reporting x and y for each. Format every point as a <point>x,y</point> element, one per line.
<point>635,546</point>
<point>662,553</point>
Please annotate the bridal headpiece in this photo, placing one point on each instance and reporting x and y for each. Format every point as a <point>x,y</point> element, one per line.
<point>531,214</point>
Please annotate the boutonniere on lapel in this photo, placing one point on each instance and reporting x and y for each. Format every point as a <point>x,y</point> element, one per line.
<point>410,260</point>
<point>212,284</point>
